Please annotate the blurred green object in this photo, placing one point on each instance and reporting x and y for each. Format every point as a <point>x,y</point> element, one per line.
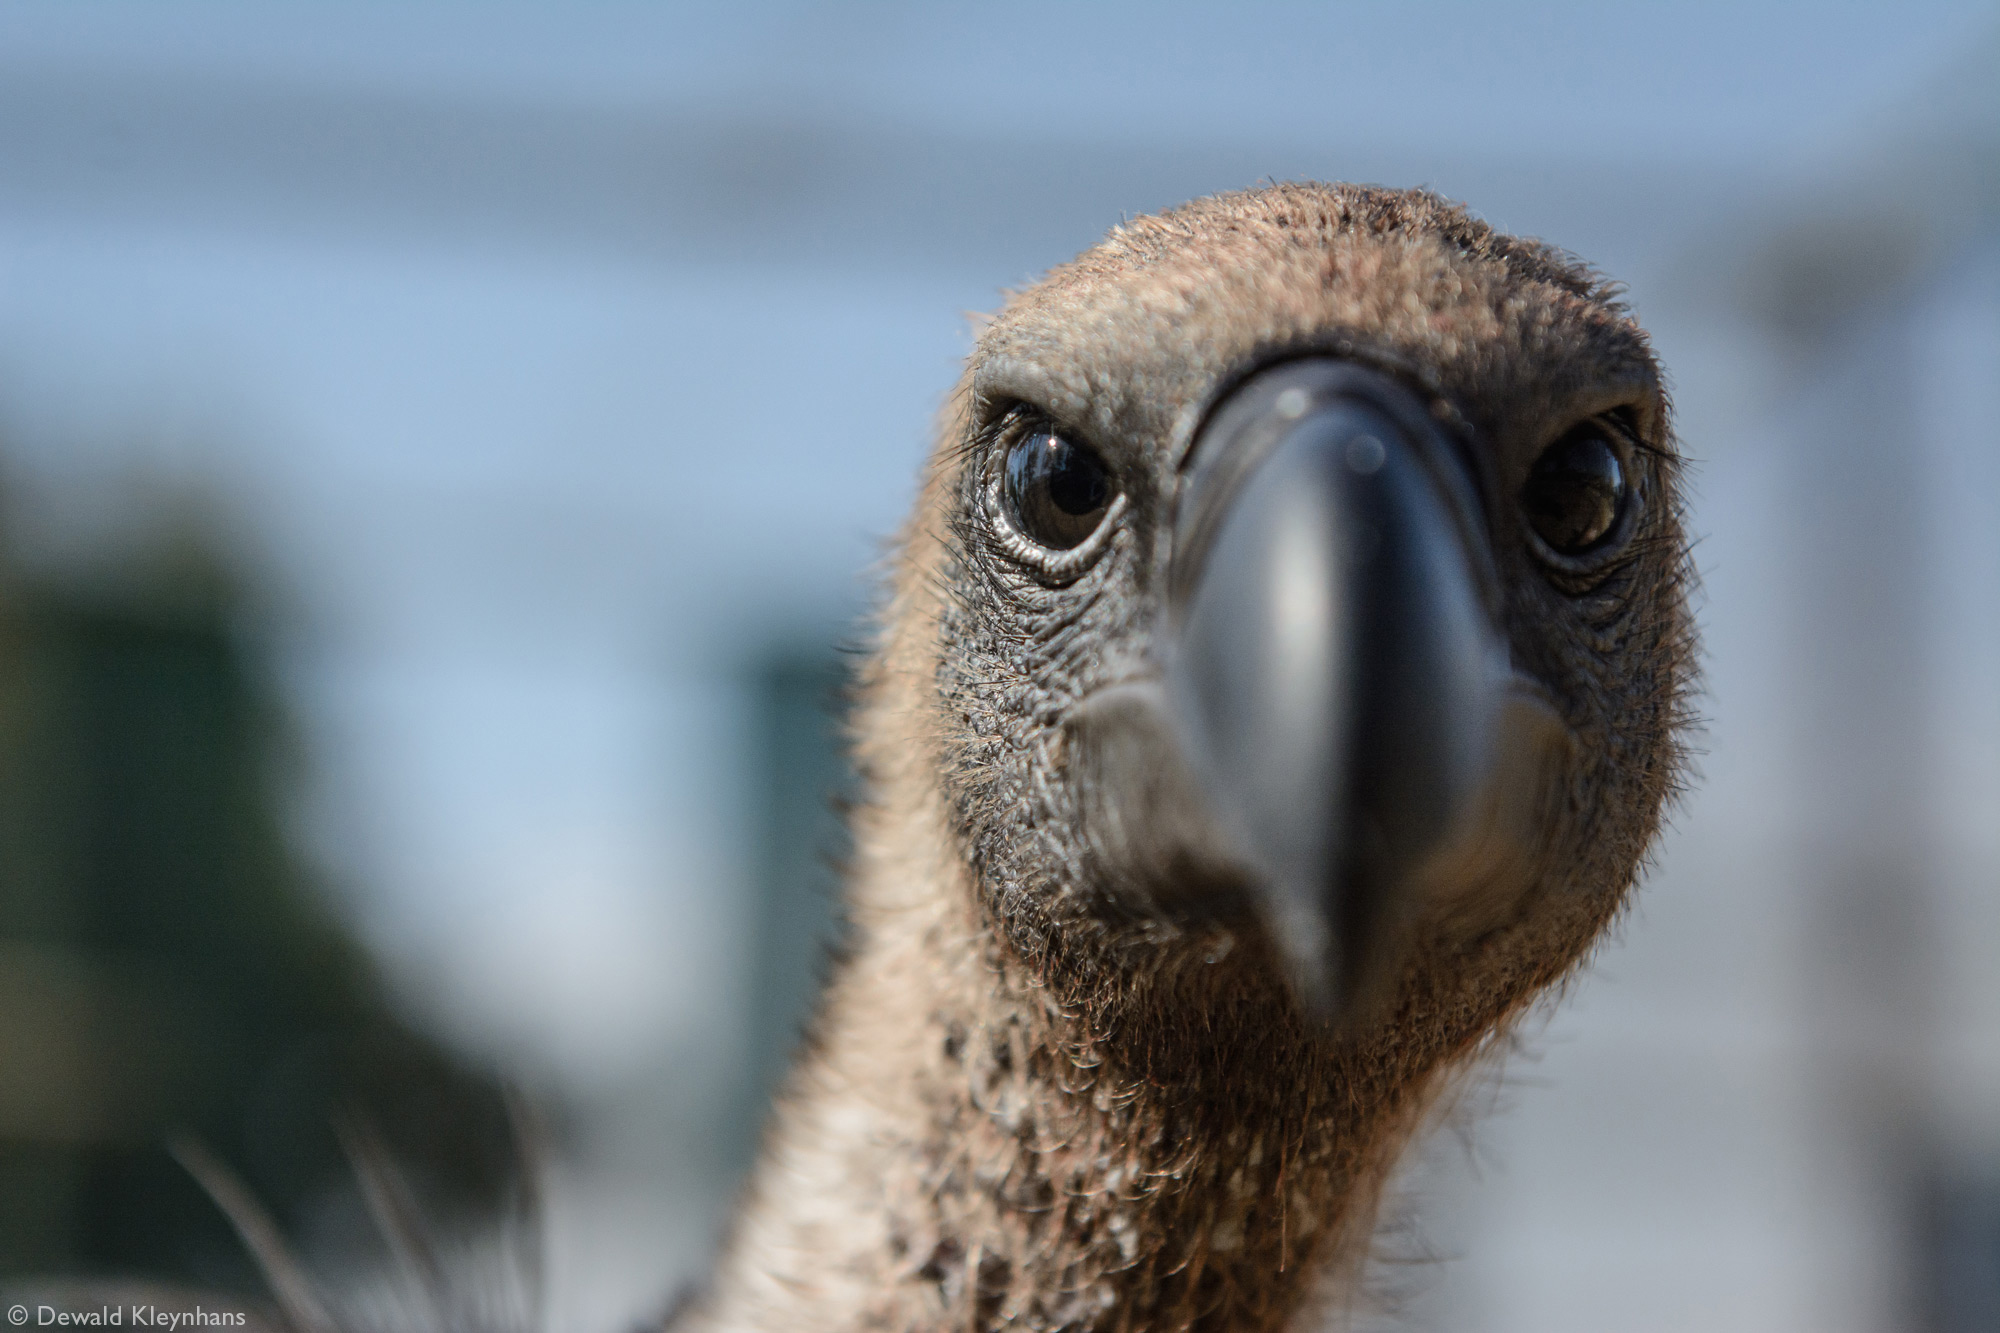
<point>167,962</point>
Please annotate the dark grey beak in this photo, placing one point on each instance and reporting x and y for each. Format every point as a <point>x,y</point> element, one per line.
<point>1333,673</point>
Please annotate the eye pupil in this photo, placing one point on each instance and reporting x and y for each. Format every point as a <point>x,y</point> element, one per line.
<point>1058,491</point>
<point>1575,492</point>
<point>1077,485</point>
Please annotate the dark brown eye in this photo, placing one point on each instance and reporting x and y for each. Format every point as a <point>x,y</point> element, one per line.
<point>1057,491</point>
<point>1576,491</point>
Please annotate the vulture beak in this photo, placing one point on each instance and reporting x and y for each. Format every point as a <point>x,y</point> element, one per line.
<point>1336,722</point>
<point>1333,669</point>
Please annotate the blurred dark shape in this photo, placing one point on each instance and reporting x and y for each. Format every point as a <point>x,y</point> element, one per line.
<point>1827,269</point>
<point>803,780</point>
<point>1960,1232</point>
<point>167,962</point>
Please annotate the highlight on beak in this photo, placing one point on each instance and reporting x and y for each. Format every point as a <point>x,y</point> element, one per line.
<point>1337,715</point>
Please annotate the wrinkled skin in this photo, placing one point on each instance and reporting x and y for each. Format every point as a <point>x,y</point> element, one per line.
<point>1032,1101</point>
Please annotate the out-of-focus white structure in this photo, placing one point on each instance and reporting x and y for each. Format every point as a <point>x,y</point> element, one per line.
<point>557,365</point>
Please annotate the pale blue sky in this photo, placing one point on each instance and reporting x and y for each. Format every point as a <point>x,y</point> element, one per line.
<point>1697,78</point>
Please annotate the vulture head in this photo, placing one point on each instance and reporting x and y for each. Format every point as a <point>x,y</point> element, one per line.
<point>1279,687</point>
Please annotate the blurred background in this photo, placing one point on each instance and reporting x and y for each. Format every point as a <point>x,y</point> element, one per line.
<point>444,447</point>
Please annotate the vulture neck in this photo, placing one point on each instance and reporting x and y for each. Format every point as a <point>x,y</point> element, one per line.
<point>962,1147</point>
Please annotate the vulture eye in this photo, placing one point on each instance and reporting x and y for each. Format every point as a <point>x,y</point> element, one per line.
<point>1576,491</point>
<point>1057,491</point>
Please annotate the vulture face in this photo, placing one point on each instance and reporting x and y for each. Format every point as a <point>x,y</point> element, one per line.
<point>1309,627</point>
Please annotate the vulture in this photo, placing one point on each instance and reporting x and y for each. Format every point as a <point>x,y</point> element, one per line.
<point>1279,684</point>
<point>1278,687</point>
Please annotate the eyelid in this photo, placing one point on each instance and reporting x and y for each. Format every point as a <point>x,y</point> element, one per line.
<point>1622,423</point>
<point>1008,419</point>
<point>1051,565</point>
<point>1004,421</point>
